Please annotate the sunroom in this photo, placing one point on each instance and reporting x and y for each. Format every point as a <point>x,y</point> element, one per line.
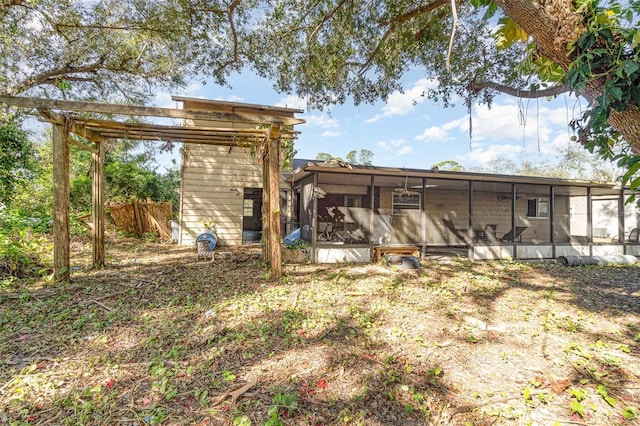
<point>356,214</point>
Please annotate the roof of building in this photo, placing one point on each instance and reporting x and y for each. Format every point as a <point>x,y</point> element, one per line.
<point>304,168</point>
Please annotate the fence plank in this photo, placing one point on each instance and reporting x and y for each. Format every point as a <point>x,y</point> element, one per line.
<point>140,217</point>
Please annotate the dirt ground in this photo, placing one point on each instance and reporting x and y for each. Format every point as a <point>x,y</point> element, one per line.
<point>158,337</point>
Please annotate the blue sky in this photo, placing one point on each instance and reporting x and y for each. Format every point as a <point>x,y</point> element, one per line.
<point>411,131</point>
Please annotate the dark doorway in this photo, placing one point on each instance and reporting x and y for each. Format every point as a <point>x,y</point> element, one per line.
<point>252,216</point>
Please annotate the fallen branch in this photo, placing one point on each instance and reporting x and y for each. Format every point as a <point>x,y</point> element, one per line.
<point>234,394</point>
<point>102,305</point>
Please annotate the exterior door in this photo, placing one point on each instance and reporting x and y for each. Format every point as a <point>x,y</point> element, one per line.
<point>252,216</point>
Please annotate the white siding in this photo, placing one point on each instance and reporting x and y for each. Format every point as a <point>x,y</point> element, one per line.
<point>210,177</point>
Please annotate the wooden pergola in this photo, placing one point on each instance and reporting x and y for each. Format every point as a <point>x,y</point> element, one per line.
<point>249,125</point>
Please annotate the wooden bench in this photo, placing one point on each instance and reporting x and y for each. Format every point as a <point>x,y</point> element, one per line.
<point>383,250</point>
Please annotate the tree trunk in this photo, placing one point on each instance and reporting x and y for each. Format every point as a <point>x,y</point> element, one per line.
<point>553,24</point>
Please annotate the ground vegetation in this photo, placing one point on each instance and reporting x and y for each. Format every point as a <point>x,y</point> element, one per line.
<point>157,337</point>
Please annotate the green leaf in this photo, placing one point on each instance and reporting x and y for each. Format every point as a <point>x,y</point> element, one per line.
<point>629,413</point>
<point>630,67</point>
<point>577,408</point>
<point>527,393</point>
<point>242,421</point>
<point>616,93</point>
<point>481,3</point>
<point>602,390</point>
<point>508,33</point>
<point>636,39</point>
<point>611,401</point>
<point>578,393</point>
<point>492,8</point>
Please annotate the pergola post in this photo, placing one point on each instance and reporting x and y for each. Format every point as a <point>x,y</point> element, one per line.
<point>98,204</point>
<point>266,207</point>
<point>250,133</point>
<point>61,194</point>
<point>273,238</point>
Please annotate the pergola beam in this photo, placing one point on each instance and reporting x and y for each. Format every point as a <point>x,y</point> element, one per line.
<point>243,116</point>
<point>72,125</point>
<point>239,115</point>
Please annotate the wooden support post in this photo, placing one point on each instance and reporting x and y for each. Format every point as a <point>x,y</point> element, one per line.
<point>266,208</point>
<point>273,178</point>
<point>61,193</point>
<point>98,205</point>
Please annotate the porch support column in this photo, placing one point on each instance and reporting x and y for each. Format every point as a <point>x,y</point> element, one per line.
<point>552,196</point>
<point>98,205</point>
<point>61,194</point>
<point>372,207</point>
<point>423,208</point>
<point>271,194</point>
<point>621,221</point>
<point>314,218</point>
<point>514,249</point>
<point>470,234</point>
<point>590,221</point>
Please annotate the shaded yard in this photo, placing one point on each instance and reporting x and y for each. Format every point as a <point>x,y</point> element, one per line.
<point>159,338</point>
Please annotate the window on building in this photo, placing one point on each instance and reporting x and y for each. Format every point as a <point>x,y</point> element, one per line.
<point>248,207</point>
<point>352,201</point>
<point>405,203</point>
<point>538,207</point>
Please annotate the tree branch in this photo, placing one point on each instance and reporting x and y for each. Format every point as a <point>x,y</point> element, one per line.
<point>391,23</point>
<point>363,67</point>
<point>234,34</point>
<point>50,77</point>
<point>6,4</point>
<point>454,12</point>
<point>327,17</point>
<point>519,93</point>
<point>114,27</point>
<point>416,12</point>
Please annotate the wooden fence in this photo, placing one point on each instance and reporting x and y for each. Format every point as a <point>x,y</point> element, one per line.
<point>140,217</point>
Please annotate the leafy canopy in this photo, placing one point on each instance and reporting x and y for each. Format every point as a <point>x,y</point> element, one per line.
<point>332,52</point>
<point>16,159</point>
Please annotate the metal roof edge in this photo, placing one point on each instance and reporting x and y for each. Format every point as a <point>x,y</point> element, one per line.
<point>315,166</point>
<point>237,104</point>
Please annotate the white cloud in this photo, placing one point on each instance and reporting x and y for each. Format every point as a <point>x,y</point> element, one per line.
<point>392,144</point>
<point>405,150</point>
<point>482,155</point>
<point>511,131</point>
<point>441,133</point>
<point>163,99</point>
<point>233,98</point>
<point>403,103</point>
<point>331,134</point>
<point>530,124</point>
<point>538,128</point>
<point>382,145</point>
<point>397,146</point>
<point>322,120</point>
<point>292,101</point>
